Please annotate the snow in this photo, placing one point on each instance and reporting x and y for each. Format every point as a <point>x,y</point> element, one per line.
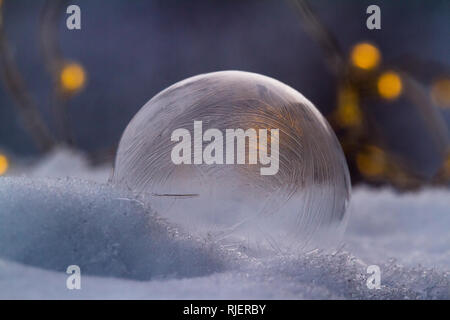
<point>55,223</point>
<point>411,227</point>
<point>127,251</point>
<point>65,162</point>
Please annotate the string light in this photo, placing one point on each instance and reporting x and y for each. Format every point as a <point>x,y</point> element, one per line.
<point>371,161</point>
<point>348,113</point>
<point>440,92</point>
<point>389,85</point>
<point>4,163</point>
<point>73,77</point>
<point>446,167</point>
<point>365,56</point>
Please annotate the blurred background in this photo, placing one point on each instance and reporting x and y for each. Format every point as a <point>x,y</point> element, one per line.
<point>385,92</point>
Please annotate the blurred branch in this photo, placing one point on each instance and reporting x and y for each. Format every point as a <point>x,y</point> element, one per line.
<point>433,118</point>
<point>423,70</point>
<point>24,102</point>
<point>358,83</point>
<point>321,34</point>
<point>54,62</point>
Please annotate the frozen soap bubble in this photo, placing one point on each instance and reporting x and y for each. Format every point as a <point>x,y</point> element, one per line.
<point>286,184</point>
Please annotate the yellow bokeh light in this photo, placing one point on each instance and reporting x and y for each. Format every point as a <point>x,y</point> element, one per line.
<point>73,77</point>
<point>348,113</point>
<point>4,164</point>
<point>371,161</point>
<point>446,167</point>
<point>365,56</point>
<point>440,92</point>
<point>389,85</point>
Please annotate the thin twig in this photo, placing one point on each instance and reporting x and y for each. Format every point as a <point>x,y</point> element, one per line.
<point>322,35</point>
<point>54,62</point>
<point>24,102</point>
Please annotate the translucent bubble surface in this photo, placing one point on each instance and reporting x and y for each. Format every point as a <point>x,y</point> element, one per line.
<point>287,184</point>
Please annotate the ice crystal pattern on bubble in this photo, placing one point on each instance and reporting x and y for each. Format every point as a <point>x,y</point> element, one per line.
<point>307,197</point>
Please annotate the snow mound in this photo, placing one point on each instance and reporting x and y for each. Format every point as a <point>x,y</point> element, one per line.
<point>126,251</point>
<point>312,276</point>
<point>52,224</point>
<point>66,162</point>
<point>341,275</point>
<point>60,162</point>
